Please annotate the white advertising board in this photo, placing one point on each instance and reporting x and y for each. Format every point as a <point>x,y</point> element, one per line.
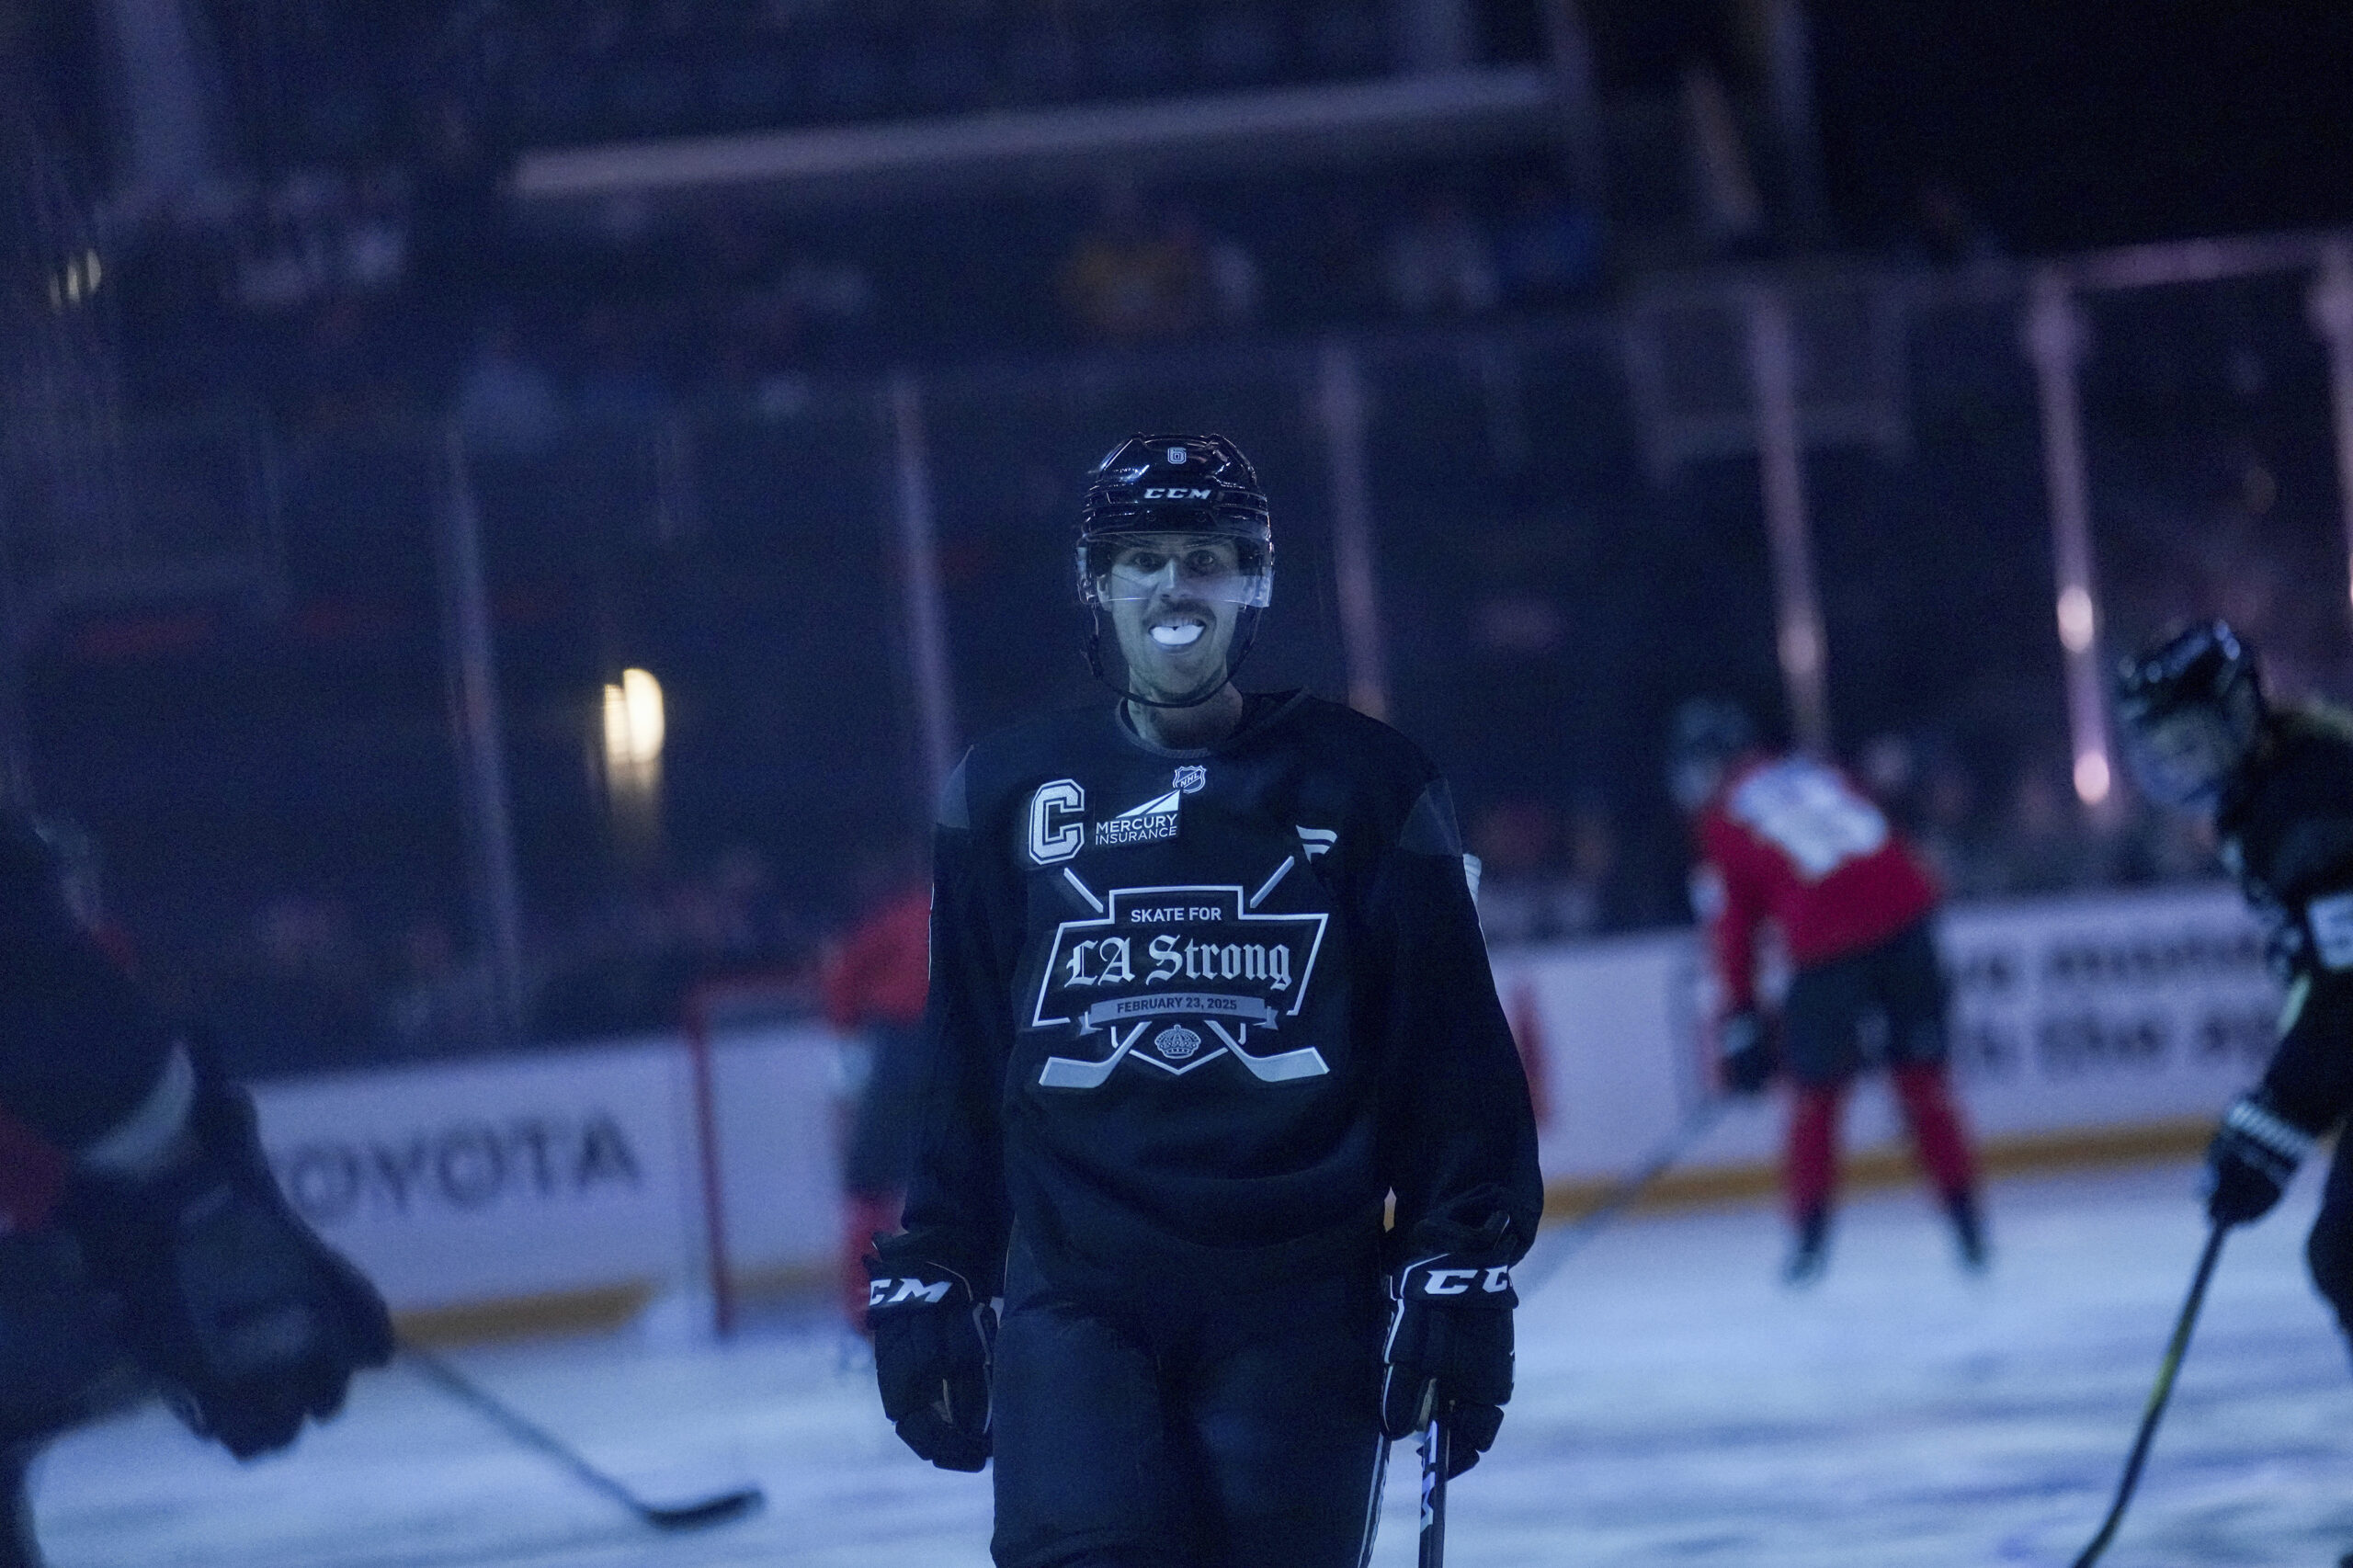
<point>2069,1015</point>
<point>463,1183</point>
<point>487,1180</point>
<point>474,1182</point>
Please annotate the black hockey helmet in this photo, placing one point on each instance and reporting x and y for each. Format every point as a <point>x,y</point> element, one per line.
<point>1161,484</point>
<point>1704,738</point>
<point>1176,484</point>
<point>2191,707</point>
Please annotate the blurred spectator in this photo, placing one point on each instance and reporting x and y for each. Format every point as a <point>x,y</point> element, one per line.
<point>745,929</point>
<point>618,384</point>
<point>314,235</point>
<point>831,298</point>
<point>297,1000</point>
<point>1240,45</point>
<point>439,1005</point>
<point>2046,845</point>
<point>1132,278</point>
<point>505,402</point>
<point>460,211</point>
<point>1943,820</point>
<point>1950,233</point>
<point>1439,264</point>
<point>1524,895</point>
<point>631,962</point>
<point>1592,903</point>
<point>1335,274</point>
<point>346,370</point>
<point>1549,247</point>
<point>1728,214</point>
<point>375,248</point>
<point>1228,272</point>
<point>1347,39</point>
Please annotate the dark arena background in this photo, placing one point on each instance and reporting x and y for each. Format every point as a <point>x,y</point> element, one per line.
<point>510,509</point>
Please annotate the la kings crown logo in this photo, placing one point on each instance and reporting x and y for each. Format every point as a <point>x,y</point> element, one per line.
<point>1176,977</point>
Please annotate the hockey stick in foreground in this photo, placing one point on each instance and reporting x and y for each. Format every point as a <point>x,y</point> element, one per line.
<point>2175,1350</point>
<point>679,1517</point>
<point>1562,1242</point>
<point>1435,1449</point>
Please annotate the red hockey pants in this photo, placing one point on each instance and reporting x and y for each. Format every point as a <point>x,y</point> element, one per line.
<point>1811,1173</point>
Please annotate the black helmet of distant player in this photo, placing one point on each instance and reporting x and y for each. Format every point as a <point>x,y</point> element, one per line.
<point>1148,492</point>
<point>2192,711</point>
<point>1707,736</point>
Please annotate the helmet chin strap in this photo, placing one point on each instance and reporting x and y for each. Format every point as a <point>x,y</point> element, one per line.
<point>1246,629</point>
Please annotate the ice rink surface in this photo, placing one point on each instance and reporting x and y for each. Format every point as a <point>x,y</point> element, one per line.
<point>1676,1405</point>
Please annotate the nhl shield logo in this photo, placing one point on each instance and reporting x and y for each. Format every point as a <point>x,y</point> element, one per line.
<point>1191,778</point>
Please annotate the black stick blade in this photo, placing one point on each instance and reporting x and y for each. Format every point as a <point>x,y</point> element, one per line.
<point>702,1515</point>
<point>2176,1348</point>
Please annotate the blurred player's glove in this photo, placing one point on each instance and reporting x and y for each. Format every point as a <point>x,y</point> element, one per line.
<point>1449,1339</point>
<point>933,1339</point>
<point>2254,1154</point>
<point>1745,1042</point>
<point>249,1321</point>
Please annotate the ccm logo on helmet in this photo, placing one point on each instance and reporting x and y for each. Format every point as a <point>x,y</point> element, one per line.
<point>1175,495</point>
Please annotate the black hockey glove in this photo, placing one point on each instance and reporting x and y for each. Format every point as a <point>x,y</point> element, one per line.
<point>2249,1164</point>
<point>1449,1339</point>
<point>933,1339</point>
<point>1744,1044</point>
<point>248,1321</point>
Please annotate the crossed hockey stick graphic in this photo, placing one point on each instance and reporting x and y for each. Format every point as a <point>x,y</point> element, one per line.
<point>1070,1072</point>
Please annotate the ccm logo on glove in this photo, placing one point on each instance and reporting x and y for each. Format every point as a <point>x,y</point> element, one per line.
<point>1430,1281</point>
<point>897,1292</point>
<point>934,1341</point>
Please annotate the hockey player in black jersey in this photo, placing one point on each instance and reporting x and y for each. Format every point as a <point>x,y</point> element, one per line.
<point>144,1244</point>
<point>2278,785</point>
<point>1208,996</point>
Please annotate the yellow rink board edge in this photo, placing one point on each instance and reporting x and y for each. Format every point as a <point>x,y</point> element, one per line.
<point>1893,1166</point>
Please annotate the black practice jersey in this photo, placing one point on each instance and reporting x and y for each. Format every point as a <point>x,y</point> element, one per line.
<point>1196,1015</point>
<point>2285,826</point>
<point>79,1046</point>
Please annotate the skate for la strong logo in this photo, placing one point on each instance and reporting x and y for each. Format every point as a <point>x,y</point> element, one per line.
<point>1175,977</point>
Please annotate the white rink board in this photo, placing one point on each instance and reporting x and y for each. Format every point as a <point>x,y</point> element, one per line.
<point>2082,1014</point>
<point>781,1123</point>
<point>487,1180</point>
<point>456,1184</point>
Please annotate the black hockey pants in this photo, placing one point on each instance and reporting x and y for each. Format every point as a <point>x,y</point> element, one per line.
<point>1219,1432</point>
<point>1881,1007</point>
<point>2329,1248</point>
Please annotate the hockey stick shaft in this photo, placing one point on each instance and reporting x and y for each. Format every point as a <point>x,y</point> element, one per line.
<point>1565,1241</point>
<point>466,1391</point>
<point>2176,1348</point>
<point>1435,1449</point>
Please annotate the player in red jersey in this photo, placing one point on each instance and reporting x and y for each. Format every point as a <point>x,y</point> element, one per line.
<point>1789,841</point>
<point>873,986</point>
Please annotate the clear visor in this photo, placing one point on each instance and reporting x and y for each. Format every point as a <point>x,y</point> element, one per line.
<point>1141,568</point>
<point>2185,758</point>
